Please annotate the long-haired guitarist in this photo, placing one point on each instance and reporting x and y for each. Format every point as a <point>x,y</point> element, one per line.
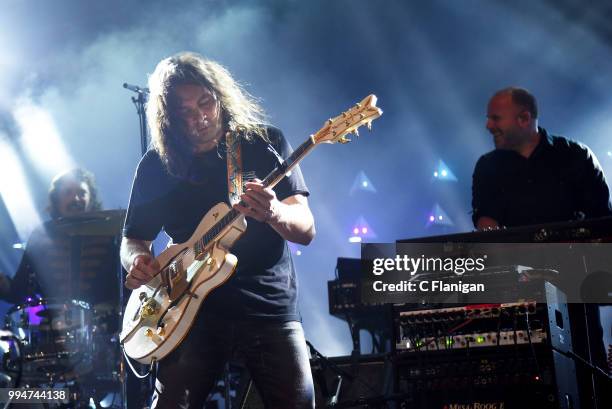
<point>253,316</point>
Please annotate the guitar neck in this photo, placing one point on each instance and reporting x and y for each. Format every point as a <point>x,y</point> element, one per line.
<point>280,171</point>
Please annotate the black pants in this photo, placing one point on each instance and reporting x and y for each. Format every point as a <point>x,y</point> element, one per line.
<point>275,354</point>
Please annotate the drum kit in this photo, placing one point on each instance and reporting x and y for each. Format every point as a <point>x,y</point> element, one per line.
<point>72,342</point>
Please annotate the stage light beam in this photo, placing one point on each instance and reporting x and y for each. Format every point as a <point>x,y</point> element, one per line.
<point>41,140</point>
<point>15,193</point>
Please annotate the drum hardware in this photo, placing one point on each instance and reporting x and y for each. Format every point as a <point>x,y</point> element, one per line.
<point>12,344</point>
<point>67,338</point>
<point>63,344</point>
<point>55,337</point>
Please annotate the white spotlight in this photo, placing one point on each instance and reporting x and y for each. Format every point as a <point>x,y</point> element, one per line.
<point>40,139</point>
<point>15,193</point>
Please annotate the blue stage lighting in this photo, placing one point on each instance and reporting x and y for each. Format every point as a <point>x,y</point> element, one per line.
<point>362,183</point>
<point>444,173</point>
<point>361,230</point>
<point>439,217</point>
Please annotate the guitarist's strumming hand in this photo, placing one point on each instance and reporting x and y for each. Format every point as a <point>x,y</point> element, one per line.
<point>143,269</point>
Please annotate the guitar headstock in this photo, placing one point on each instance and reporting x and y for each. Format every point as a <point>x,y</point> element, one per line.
<point>336,129</point>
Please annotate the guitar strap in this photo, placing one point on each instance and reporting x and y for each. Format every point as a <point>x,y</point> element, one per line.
<point>234,166</point>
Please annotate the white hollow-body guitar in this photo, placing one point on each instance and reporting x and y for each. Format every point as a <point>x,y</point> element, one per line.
<point>159,314</point>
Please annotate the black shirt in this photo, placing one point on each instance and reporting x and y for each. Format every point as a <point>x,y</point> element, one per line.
<point>264,284</point>
<point>560,181</point>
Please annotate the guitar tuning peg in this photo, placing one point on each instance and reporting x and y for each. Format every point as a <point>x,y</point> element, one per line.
<point>356,132</point>
<point>369,125</point>
<point>329,121</point>
<point>344,139</point>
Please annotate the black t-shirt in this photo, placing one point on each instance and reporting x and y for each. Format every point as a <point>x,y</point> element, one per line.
<point>264,284</point>
<point>559,181</point>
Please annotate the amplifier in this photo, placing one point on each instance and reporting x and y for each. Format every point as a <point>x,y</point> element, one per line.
<point>470,326</point>
<point>497,356</point>
<point>512,378</point>
<point>344,296</point>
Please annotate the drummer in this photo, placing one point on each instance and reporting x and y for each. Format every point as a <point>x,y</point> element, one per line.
<point>60,265</point>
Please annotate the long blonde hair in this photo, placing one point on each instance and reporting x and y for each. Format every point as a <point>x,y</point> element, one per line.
<point>240,112</point>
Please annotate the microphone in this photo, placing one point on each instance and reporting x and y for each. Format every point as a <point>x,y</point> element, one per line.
<point>135,88</point>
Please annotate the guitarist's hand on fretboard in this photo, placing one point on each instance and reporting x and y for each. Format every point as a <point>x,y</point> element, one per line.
<point>143,269</point>
<point>258,202</point>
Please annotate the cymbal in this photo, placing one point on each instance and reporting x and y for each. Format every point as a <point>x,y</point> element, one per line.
<point>100,223</point>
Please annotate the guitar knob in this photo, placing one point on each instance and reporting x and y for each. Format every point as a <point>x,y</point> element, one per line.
<point>149,333</point>
<point>142,296</point>
<point>211,263</point>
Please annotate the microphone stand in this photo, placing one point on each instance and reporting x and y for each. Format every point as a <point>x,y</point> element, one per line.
<point>139,102</point>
